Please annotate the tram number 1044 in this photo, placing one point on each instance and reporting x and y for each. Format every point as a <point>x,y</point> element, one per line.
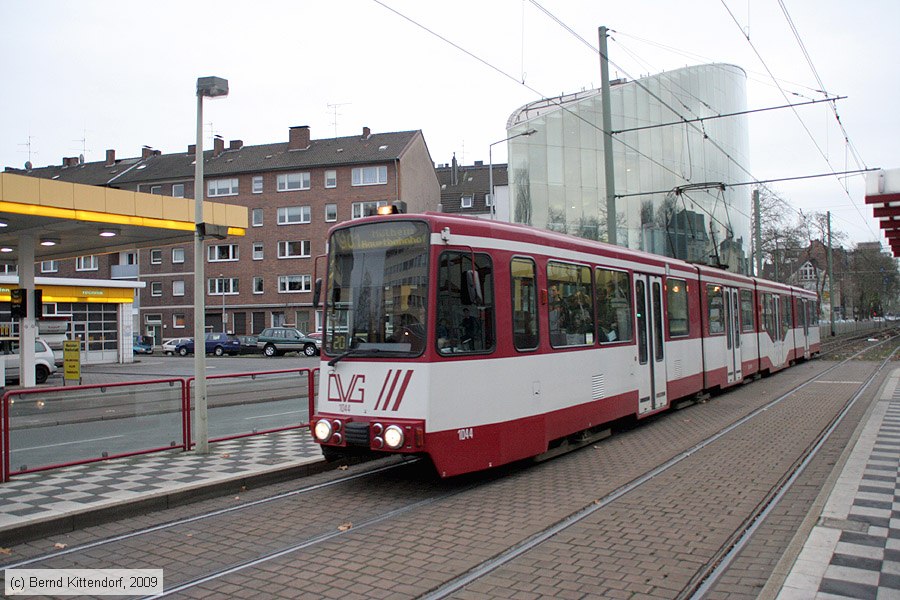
<point>465,434</point>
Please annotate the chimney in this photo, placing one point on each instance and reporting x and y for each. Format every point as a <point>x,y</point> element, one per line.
<point>110,158</point>
<point>299,138</point>
<point>235,144</point>
<point>192,149</point>
<point>366,133</point>
<point>218,145</point>
<point>146,152</point>
<point>70,161</point>
<point>479,163</point>
<point>454,173</point>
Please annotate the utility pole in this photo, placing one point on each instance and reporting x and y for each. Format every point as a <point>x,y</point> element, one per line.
<point>758,219</point>
<point>607,141</point>
<point>830,275</point>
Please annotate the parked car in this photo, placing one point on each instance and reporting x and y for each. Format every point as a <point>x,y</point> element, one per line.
<point>44,361</point>
<point>170,346</point>
<point>143,344</point>
<point>248,344</point>
<point>275,341</point>
<point>216,343</point>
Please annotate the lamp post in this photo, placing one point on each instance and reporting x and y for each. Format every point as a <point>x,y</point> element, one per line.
<point>210,87</point>
<point>491,165</point>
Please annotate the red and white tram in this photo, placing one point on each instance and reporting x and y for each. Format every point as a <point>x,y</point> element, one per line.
<point>480,343</point>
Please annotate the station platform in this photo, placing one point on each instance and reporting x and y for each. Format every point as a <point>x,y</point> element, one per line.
<point>850,547</point>
<point>68,498</point>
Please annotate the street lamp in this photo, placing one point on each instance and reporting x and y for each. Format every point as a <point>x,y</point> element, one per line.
<point>209,87</point>
<point>491,165</point>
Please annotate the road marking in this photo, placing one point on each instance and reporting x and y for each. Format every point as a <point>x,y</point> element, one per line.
<point>290,412</point>
<point>109,437</point>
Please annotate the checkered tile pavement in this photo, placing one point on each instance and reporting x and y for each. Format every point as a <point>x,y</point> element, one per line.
<point>37,497</point>
<point>854,551</point>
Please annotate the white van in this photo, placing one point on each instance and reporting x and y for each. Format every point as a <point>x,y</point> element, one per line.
<point>44,361</point>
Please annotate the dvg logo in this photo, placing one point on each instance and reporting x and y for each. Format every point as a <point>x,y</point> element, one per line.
<point>354,392</point>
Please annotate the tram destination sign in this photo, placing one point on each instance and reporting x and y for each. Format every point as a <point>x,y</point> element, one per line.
<point>376,236</point>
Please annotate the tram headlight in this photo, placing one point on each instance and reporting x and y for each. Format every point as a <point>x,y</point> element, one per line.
<point>323,430</point>
<point>393,437</point>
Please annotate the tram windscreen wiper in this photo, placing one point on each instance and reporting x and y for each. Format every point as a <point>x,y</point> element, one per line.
<point>351,352</point>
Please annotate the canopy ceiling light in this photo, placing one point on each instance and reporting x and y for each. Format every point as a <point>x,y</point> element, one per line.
<point>49,241</point>
<point>109,232</point>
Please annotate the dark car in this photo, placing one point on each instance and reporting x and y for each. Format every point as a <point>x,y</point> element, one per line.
<point>275,341</point>
<point>216,343</point>
<point>248,344</point>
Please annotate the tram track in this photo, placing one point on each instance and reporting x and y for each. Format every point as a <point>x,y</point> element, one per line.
<point>432,496</point>
<point>709,574</point>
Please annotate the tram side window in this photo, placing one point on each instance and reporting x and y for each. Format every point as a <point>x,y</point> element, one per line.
<point>614,315</point>
<point>787,315</point>
<point>570,305</point>
<point>813,312</point>
<point>677,307</point>
<point>463,326</point>
<point>715,306</point>
<point>524,303</point>
<point>768,314</point>
<point>746,310</point>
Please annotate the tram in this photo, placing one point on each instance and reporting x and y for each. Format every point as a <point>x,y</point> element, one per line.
<point>478,343</point>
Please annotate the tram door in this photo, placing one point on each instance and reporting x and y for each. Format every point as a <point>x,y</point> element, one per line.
<point>733,334</point>
<point>648,294</point>
<point>777,337</point>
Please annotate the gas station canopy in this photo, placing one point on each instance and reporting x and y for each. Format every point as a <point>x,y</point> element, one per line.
<point>883,194</point>
<point>68,220</point>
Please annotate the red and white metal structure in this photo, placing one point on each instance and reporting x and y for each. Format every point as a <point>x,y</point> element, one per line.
<point>479,343</point>
<point>883,194</point>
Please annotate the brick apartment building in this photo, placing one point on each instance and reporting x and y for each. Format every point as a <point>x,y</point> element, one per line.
<point>294,192</point>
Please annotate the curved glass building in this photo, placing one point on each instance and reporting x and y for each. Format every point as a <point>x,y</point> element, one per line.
<point>670,172</point>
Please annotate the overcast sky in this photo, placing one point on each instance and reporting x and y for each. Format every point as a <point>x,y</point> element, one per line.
<point>82,77</point>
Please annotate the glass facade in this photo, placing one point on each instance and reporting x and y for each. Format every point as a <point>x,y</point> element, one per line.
<point>669,180</point>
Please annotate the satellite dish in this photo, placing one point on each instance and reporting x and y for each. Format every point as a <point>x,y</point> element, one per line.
<point>28,165</point>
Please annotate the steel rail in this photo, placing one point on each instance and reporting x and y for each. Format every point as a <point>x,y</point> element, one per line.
<point>705,579</point>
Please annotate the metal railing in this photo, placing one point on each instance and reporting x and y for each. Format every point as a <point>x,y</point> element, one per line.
<point>49,428</point>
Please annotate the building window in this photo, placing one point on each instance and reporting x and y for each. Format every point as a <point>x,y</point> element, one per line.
<point>369,175</point>
<point>222,286</point>
<point>156,288</point>
<point>153,319</point>
<point>178,190</point>
<point>330,213</point>
<point>488,199</point>
<point>128,258</point>
<point>222,187</point>
<point>156,256</point>
<point>366,209</point>
<point>257,285</point>
<point>257,217</point>
<point>178,287</point>
<point>177,255</point>
<point>178,321</point>
<point>294,283</point>
<point>258,251</point>
<point>807,272</point>
<point>49,266</point>
<point>257,184</point>
<point>86,263</point>
<point>293,181</point>
<point>466,201</point>
<point>299,249</point>
<point>331,179</point>
<point>223,253</point>
<point>156,189</point>
<point>291,215</point>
